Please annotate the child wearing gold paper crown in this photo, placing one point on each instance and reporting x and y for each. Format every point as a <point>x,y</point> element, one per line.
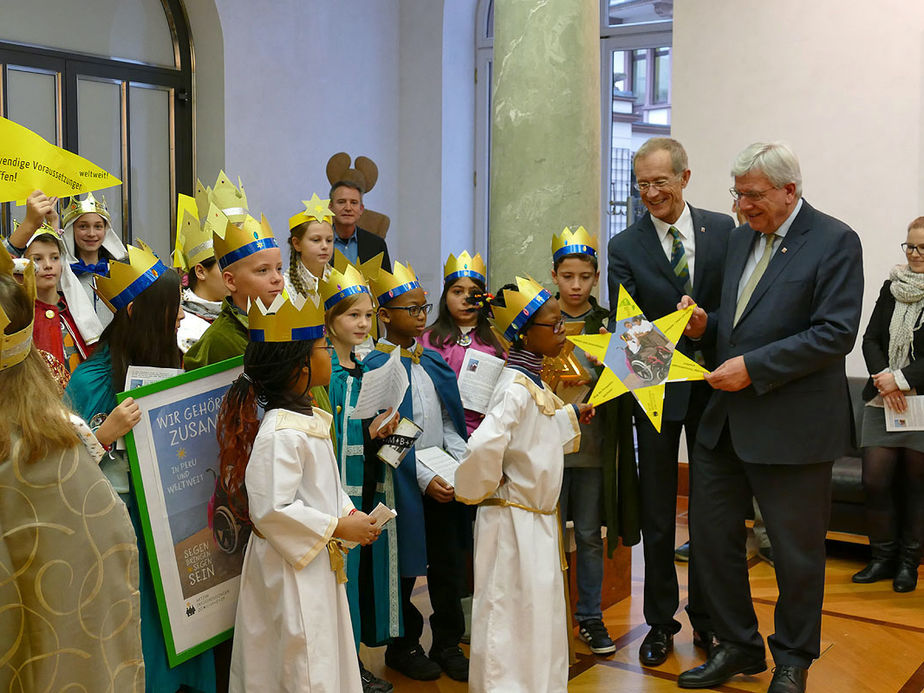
<point>599,485</point>
<point>432,527</point>
<point>66,543</point>
<point>461,324</point>
<point>513,469</point>
<point>251,267</point>
<point>311,246</point>
<point>194,255</point>
<point>144,297</point>
<point>89,240</point>
<point>292,629</point>
<point>372,571</point>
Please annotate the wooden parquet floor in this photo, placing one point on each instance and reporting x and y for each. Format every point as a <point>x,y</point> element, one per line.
<point>872,638</point>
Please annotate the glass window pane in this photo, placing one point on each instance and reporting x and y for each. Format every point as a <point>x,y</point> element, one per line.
<point>99,136</point>
<point>640,76</point>
<point>149,130</point>
<point>32,99</point>
<point>662,75</point>
<point>622,12</point>
<point>127,29</point>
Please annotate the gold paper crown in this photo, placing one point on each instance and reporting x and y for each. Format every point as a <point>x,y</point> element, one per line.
<point>465,266</point>
<point>343,280</point>
<point>316,209</point>
<point>126,280</point>
<point>300,318</point>
<point>389,285</point>
<point>234,242</point>
<point>76,208</point>
<point>193,240</point>
<point>570,242</point>
<point>202,199</point>
<point>518,306</point>
<point>229,199</point>
<point>15,347</point>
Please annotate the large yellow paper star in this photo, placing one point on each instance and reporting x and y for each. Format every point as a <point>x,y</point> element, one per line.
<point>639,356</point>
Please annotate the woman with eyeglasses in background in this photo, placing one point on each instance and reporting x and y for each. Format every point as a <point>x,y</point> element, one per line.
<point>893,347</point>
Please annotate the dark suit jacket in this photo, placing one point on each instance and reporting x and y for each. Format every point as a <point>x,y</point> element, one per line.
<point>637,260</point>
<point>800,323</point>
<point>368,245</point>
<point>876,345</point>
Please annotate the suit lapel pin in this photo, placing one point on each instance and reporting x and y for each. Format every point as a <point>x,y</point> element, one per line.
<point>702,229</point>
<point>782,250</point>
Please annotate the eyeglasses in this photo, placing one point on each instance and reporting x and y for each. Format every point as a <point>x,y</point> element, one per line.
<point>750,195</point>
<point>328,348</point>
<point>557,327</point>
<point>911,249</point>
<point>414,311</point>
<point>643,186</point>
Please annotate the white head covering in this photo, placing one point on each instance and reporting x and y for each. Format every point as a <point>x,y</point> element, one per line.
<point>78,302</point>
<point>111,242</point>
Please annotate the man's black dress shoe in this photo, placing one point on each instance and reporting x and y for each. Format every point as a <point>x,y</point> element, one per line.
<point>656,646</point>
<point>725,661</point>
<point>704,640</point>
<point>788,679</point>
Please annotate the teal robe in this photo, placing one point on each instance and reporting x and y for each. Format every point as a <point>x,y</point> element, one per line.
<point>385,622</point>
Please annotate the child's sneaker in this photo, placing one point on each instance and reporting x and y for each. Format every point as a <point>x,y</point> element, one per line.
<point>594,633</point>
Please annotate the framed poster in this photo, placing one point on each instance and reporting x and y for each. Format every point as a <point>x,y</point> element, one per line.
<point>173,454</point>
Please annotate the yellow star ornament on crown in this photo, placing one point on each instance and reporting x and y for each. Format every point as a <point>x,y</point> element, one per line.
<point>640,356</point>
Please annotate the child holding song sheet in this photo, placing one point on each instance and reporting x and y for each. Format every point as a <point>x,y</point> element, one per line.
<point>372,575</point>
<point>292,630</point>
<point>432,531</point>
<point>461,325</point>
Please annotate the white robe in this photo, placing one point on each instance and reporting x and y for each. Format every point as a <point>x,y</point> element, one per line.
<point>519,617</point>
<point>292,631</point>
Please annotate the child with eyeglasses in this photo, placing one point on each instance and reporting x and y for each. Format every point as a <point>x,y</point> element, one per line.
<point>432,526</point>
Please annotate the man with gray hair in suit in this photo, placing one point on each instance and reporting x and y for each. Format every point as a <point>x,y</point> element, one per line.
<point>780,414</point>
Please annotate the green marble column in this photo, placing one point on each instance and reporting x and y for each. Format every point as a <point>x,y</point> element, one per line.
<point>545,139</point>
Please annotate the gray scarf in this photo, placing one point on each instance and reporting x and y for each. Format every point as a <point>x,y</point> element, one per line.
<point>908,289</point>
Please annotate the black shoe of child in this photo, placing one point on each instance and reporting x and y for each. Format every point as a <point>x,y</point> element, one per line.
<point>452,661</point>
<point>372,683</point>
<point>594,633</point>
<point>413,663</point>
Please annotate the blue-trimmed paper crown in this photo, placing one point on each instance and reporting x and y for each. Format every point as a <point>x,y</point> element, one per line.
<point>343,280</point>
<point>126,280</point>
<point>238,242</point>
<point>387,286</point>
<point>465,266</point>
<point>300,318</point>
<point>518,306</point>
<point>569,242</point>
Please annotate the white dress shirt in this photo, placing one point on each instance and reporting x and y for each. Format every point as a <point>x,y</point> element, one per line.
<point>758,248</point>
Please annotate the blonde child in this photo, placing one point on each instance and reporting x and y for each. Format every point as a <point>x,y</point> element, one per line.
<point>372,571</point>
<point>311,246</point>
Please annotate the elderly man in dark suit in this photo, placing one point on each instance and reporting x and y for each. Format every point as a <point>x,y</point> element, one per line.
<point>675,249</point>
<point>789,315</point>
<point>357,244</point>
